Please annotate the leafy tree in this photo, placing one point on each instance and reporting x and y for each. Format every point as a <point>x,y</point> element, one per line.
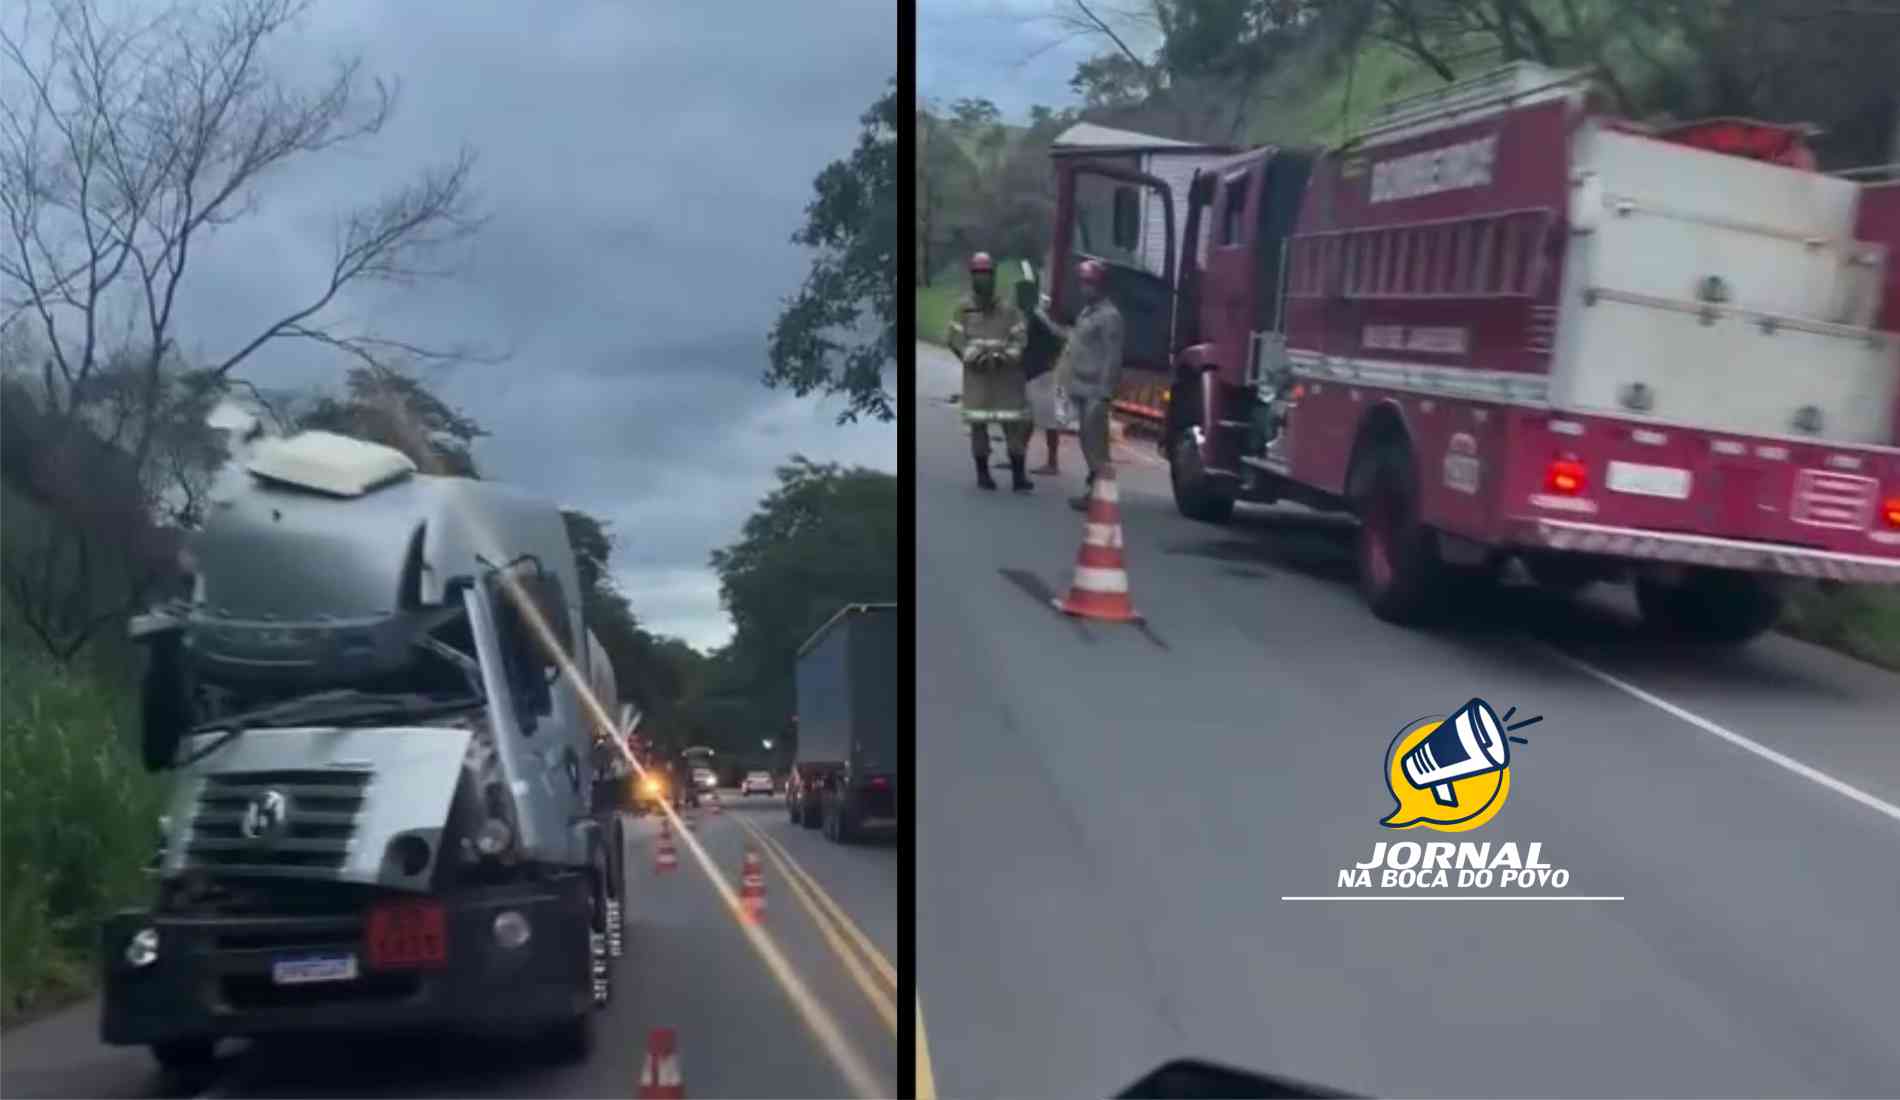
<point>839,332</point>
<point>825,537</point>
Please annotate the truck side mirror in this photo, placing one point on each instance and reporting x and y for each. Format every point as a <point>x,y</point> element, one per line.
<point>165,702</point>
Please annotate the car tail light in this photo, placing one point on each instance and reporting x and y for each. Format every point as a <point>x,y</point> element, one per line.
<point>1890,511</point>
<point>1565,475</point>
<point>879,783</point>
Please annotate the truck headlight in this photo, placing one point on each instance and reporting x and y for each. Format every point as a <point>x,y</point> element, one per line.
<point>494,837</point>
<point>142,949</point>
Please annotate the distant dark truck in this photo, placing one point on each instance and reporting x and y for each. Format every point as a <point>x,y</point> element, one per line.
<point>845,774</point>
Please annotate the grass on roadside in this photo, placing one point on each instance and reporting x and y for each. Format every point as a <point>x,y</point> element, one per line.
<point>78,816</point>
<point>1860,620</point>
<point>937,301</point>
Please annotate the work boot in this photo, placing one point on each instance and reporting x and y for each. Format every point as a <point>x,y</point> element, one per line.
<point>983,479</point>
<point>1020,478</point>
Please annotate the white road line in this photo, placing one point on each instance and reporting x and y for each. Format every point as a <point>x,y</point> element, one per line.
<point>1839,787</point>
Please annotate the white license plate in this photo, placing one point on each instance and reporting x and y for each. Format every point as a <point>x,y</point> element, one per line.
<point>319,968</point>
<point>1648,481</point>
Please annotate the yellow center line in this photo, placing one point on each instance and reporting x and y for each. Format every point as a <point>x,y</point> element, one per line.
<point>850,928</point>
<point>880,1000</point>
<point>926,1079</point>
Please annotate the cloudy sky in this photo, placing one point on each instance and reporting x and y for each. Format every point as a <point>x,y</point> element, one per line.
<point>644,165</point>
<point>1015,53</point>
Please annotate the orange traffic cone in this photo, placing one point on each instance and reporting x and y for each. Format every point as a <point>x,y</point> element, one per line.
<point>752,870</point>
<point>664,857</point>
<point>752,891</point>
<point>660,1075</point>
<point>1101,583</point>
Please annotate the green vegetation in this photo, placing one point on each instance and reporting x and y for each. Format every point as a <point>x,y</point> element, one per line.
<point>1861,620</point>
<point>78,813</point>
<point>936,301</point>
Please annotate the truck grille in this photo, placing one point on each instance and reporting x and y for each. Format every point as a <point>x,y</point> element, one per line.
<point>320,812</point>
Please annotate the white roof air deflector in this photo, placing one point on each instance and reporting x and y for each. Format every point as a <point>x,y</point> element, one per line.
<point>329,463</point>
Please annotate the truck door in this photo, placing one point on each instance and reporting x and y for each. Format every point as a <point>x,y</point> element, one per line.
<point>1103,212</point>
<point>1227,297</point>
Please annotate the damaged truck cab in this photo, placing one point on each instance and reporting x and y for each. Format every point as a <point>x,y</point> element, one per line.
<point>383,809</point>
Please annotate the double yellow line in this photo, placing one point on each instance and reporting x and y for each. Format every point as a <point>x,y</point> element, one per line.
<point>873,974</point>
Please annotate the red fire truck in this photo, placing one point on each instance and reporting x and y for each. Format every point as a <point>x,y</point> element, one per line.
<point>1502,323</point>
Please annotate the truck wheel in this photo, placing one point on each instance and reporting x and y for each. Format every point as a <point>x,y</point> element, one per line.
<point>572,1040</point>
<point>808,813</point>
<point>186,1055</point>
<point>1194,495</point>
<point>1712,605</point>
<point>1400,573</point>
<point>838,828</point>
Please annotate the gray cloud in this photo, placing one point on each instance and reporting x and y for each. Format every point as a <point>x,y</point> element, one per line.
<point>644,166</point>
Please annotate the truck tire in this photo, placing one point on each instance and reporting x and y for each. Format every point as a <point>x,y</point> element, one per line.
<point>808,813</point>
<point>1400,573</point>
<point>838,825</point>
<point>1712,605</point>
<point>617,892</point>
<point>186,1055</point>
<point>1194,496</point>
<point>571,1040</point>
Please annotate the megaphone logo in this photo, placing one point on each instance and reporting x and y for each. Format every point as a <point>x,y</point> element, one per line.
<point>1452,774</point>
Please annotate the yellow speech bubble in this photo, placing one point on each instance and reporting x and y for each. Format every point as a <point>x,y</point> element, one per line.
<point>1477,799</point>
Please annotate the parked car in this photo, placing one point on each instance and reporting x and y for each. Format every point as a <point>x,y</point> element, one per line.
<point>756,783</point>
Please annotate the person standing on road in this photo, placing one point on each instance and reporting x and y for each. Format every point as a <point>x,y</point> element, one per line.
<point>988,335</point>
<point>1093,357</point>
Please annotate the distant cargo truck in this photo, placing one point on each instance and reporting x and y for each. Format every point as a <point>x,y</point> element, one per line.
<point>844,777</point>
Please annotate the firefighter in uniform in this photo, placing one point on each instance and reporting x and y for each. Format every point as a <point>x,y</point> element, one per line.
<point>988,335</point>
<point>1093,362</point>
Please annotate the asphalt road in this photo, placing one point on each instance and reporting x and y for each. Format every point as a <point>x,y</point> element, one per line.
<point>1110,819</point>
<point>688,966</point>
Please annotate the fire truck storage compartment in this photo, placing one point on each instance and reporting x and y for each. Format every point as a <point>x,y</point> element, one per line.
<point>1704,290</point>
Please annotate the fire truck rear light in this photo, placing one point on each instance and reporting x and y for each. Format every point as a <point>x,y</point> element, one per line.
<point>1565,475</point>
<point>1890,511</point>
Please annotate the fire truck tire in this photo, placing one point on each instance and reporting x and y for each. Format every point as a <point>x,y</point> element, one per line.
<point>1193,496</point>
<point>1400,573</point>
<point>1712,605</point>
<point>185,1056</point>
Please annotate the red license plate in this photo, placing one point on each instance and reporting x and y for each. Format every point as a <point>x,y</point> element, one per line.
<point>407,934</point>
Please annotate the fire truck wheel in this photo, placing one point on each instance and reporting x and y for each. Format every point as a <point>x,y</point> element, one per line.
<point>1400,573</point>
<point>1712,605</point>
<point>1194,497</point>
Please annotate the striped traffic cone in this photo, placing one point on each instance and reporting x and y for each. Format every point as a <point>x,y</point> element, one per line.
<point>664,857</point>
<point>751,890</point>
<point>716,807</point>
<point>660,1074</point>
<point>1101,583</point>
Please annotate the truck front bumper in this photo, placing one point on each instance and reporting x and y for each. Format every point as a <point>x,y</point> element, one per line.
<point>213,974</point>
<point>1681,549</point>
